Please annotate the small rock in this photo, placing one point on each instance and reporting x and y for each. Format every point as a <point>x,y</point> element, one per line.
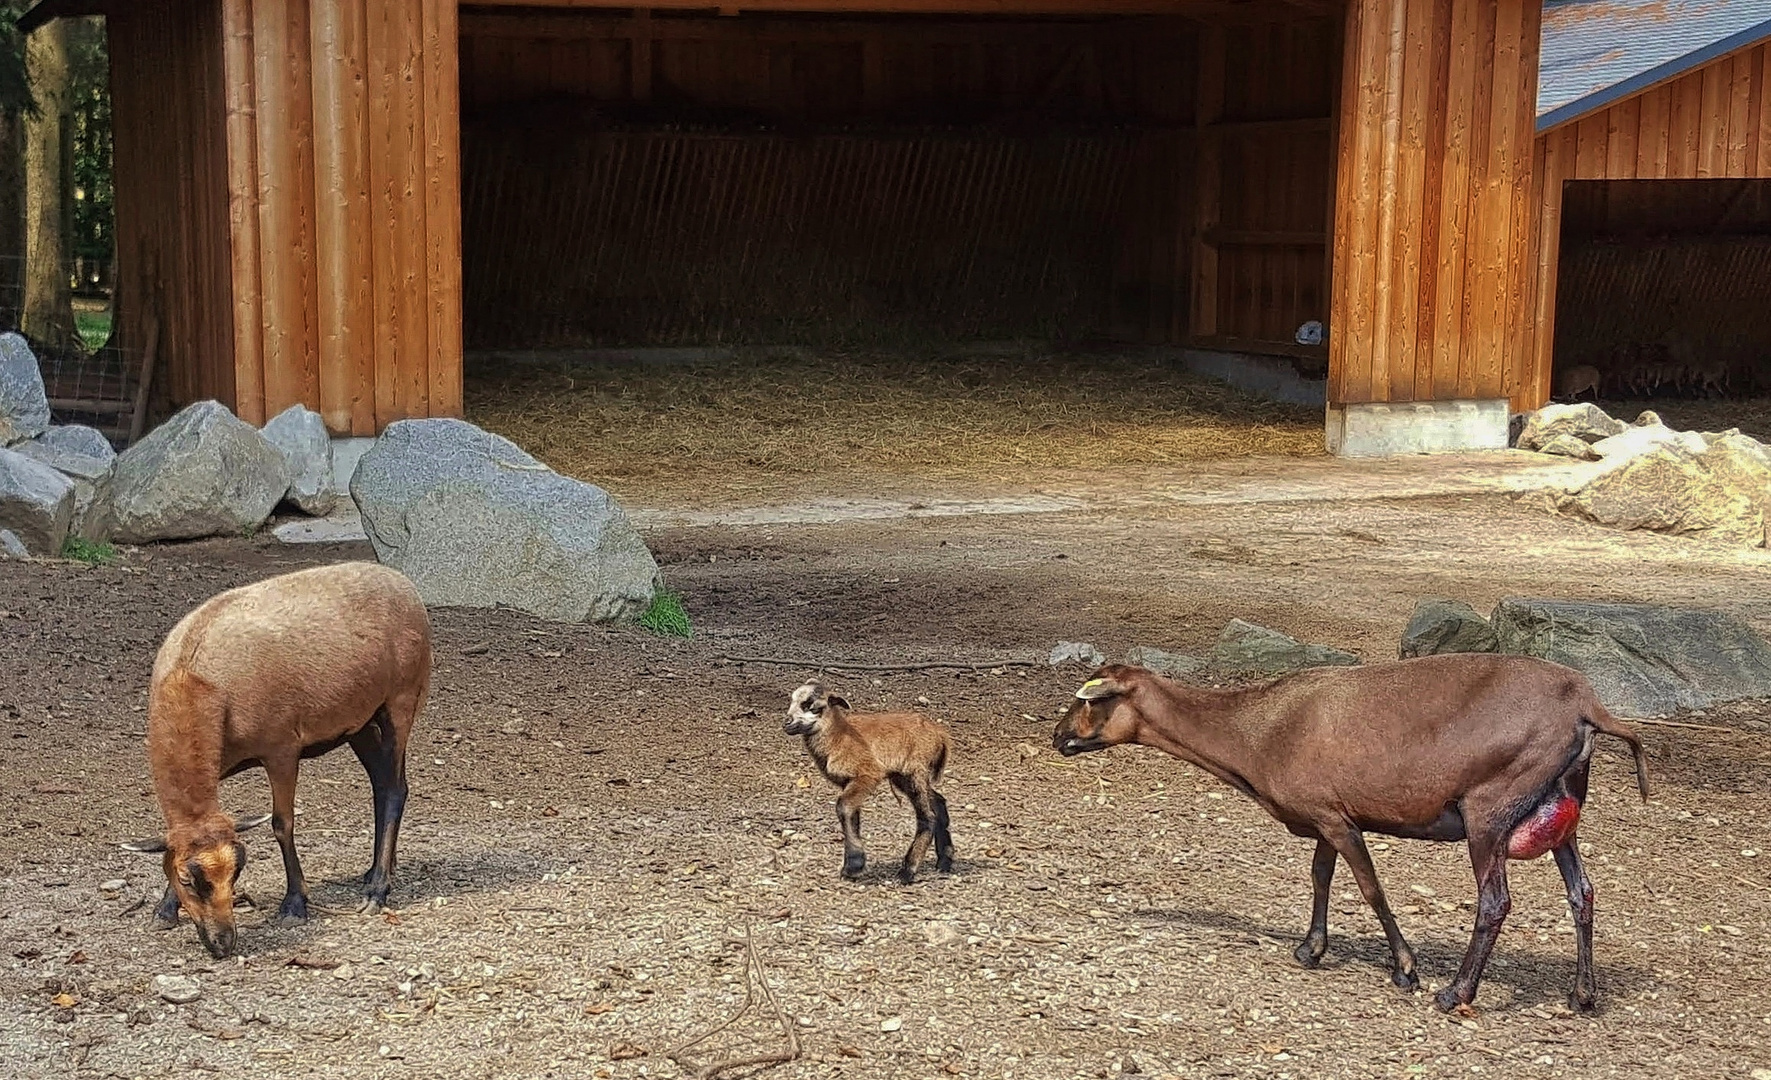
<point>1028,751</point>
<point>342,971</point>
<point>1171,664</point>
<point>516,726</point>
<point>11,547</point>
<point>24,408</point>
<point>177,989</point>
<point>1245,647</point>
<point>1446,626</point>
<point>1649,418</point>
<point>940,933</point>
<point>301,435</point>
<point>894,1023</point>
<point>1076,652</point>
<point>1569,446</point>
<point>78,439</point>
<point>115,885</point>
<point>92,475</point>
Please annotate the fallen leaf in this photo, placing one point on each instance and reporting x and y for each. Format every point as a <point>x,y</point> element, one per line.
<point>79,957</point>
<point>626,1051</point>
<point>55,789</point>
<point>550,812</point>
<point>311,963</point>
<point>802,782</point>
<point>64,1001</point>
<point>599,1008</point>
<point>848,1051</point>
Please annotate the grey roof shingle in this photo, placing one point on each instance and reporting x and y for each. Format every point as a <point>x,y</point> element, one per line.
<point>1597,52</point>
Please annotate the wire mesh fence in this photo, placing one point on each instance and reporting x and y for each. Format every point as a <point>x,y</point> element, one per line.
<point>88,376</point>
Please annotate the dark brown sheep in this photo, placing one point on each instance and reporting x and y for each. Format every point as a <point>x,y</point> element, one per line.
<point>1490,749</point>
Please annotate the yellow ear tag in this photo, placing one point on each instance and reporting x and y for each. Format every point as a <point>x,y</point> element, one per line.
<point>1086,685</point>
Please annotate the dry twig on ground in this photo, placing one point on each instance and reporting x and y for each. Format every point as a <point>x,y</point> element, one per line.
<point>756,990</point>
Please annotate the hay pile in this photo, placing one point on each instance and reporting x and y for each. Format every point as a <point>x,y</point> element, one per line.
<point>763,417</point>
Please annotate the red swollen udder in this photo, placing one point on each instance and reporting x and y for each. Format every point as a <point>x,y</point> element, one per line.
<point>1548,827</point>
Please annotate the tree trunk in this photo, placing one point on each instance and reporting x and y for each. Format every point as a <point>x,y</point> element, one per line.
<point>49,298</point>
<point>12,219</point>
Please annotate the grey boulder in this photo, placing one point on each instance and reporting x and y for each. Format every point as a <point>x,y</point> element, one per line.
<point>1643,660</point>
<point>11,547</point>
<point>78,439</point>
<point>36,503</point>
<point>24,408</point>
<point>1446,626</point>
<point>301,435</point>
<point>1246,648</point>
<point>476,522</point>
<point>1679,483</point>
<point>1584,421</point>
<point>1075,652</point>
<point>1163,662</point>
<point>92,476</point>
<point>205,472</point>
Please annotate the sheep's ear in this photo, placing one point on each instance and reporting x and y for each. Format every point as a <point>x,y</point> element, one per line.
<point>839,702</point>
<point>250,821</point>
<point>1100,690</point>
<point>149,846</point>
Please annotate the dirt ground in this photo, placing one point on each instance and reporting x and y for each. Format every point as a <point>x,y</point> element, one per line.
<point>597,815</point>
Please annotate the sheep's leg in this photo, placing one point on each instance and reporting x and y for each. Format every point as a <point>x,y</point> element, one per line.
<point>1580,902</point>
<point>282,776</point>
<point>384,759</point>
<point>1315,942</point>
<point>1493,901</point>
<point>1352,848</point>
<point>166,914</point>
<point>943,838</point>
<point>848,815</point>
<point>918,795</point>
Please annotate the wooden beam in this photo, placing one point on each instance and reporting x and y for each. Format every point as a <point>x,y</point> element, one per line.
<point>243,207</point>
<point>1208,178</point>
<point>1216,10</point>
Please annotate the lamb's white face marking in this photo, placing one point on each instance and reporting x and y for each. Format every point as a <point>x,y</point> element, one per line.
<point>805,710</point>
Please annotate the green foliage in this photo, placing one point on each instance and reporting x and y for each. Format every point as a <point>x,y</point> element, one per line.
<point>89,90</point>
<point>94,328</point>
<point>667,617</point>
<point>96,553</point>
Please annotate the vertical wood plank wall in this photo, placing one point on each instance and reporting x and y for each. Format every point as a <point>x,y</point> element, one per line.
<point>343,181</point>
<point>1434,222</point>
<point>168,111</point>
<point>1712,123</point>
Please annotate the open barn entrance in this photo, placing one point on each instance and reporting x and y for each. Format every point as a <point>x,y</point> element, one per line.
<point>961,208</point>
<point>1663,290</point>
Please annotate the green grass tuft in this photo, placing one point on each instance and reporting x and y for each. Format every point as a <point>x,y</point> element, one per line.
<point>97,553</point>
<point>667,617</point>
<point>94,328</point>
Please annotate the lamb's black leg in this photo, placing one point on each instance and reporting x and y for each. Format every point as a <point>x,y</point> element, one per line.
<point>848,815</point>
<point>1315,942</point>
<point>282,777</point>
<point>1580,902</point>
<point>385,763</point>
<point>918,796</point>
<point>943,838</point>
<point>166,914</point>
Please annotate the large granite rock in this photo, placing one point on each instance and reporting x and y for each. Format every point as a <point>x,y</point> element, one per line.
<point>92,476</point>
<point>11,547</point>
<point>205,472</point>
<point>1584,421</point>
<point>1643,660</point>
<point>1446,626</point>
<point>1683,485</point>
<point>24,409</point>
<point>1162,662</point>
<point>1246,648</point>
<point>36,503</point>
<point>301,435</point>
<point>476,522</point>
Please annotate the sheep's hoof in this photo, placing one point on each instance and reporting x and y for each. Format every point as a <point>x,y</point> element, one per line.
<point>945,866</point>
<point>906,876</point>
<point>293,911</point>
<point>370,906</point>
<point>1584,1003</point>
<point>1448,1000</point>
<point>1309,954</point>
<point>1407,980</point>
<point>852,867</point>
<point>164,922</point>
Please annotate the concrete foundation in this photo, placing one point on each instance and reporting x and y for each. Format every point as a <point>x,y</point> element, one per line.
<point>345,455</point>
<point>1422,427</point>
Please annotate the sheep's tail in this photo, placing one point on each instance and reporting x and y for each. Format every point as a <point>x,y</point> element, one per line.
<point>939,765</point>
<point>1606,724</point>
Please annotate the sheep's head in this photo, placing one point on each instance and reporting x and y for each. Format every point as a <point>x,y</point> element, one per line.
<point>1100,716</point>
<point>810,705</point>
<point>203,865</point>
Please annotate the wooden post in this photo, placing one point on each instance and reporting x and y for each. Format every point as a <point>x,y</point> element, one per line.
<point>138,420</point>
<point>243,208</point>
<point>442,196</point>
<point>342,222</point>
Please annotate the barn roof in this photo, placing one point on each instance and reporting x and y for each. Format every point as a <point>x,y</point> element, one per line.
<point>1598,52</point>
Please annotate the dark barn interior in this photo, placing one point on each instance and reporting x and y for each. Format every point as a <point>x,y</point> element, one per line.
<point>1665,286</point>
<point>682,179</point>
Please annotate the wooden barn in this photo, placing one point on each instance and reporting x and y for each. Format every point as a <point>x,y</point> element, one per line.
<point>335,202</point>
